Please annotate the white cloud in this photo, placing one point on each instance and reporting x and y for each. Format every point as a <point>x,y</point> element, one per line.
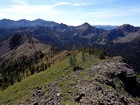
<point>20,9</point>
<point>21,2</point>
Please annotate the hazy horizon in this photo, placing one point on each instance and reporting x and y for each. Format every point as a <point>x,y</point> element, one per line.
<point>74,12</point>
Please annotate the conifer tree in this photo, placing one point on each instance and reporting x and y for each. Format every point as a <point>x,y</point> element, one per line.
<point>83,53</point>
<point>73,60</point>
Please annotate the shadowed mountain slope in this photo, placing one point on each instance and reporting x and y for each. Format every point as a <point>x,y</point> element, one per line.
<point>21,44</point>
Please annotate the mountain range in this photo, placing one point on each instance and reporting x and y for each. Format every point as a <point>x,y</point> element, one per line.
<point>121,40</point>
<point>8,23</point>
<point>47,63</point>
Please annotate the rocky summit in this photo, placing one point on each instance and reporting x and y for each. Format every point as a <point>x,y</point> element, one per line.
<point>110,82</point>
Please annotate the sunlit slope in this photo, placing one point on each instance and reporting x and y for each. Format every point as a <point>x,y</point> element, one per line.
<point>91,81</point>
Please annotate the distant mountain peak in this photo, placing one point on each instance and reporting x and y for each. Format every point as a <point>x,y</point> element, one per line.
<point>39,20</point>
<point>86,24</point>
<point>63,25</point>
<point>23,21</point>
<point>124,26</point>
<point>128,28</point>
<point>4,19</point>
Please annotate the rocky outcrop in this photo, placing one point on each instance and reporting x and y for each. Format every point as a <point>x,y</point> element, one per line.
<point>108,83</point>
<point>113,83</point>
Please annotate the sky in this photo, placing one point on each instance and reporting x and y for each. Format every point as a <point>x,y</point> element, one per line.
<point>74,12</point>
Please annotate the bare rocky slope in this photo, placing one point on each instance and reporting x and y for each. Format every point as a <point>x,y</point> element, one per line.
<point>21,44</point>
